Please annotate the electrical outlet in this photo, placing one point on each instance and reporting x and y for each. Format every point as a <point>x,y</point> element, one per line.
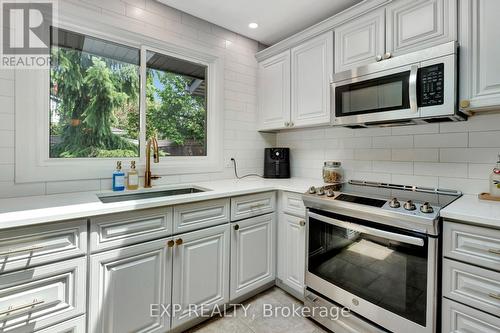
<point>228,163</point>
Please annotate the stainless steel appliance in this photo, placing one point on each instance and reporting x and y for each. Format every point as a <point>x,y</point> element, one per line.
<point>373,248</point>
<point>414,88</point>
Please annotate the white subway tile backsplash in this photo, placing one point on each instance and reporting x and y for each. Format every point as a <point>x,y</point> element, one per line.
<point>405,168</point>
<point>424,181</point>
<point>484,139</point>
<point>470,155</point>
<point>397,141</point>
<point>73,186</point>
<point>480,171</point>
<point>441,140</point>
<point>467,186</point>
<point>355,142</point>
<point>415,129</point>
<point>441,169</point>
<point>416,155</point>
<point>372,154</point>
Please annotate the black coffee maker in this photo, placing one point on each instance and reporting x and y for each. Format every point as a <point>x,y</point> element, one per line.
<point>276,163</point>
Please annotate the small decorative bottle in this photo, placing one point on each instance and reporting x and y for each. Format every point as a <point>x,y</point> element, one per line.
<point>118,178</point>
<point>133,177</point>
<point>495,180</point>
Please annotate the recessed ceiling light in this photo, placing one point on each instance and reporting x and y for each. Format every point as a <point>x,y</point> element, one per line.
<point>253,25</point>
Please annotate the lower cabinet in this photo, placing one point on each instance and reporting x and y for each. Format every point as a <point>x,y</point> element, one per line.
<point>291,252</point>
<point>125,283</point>
<point>201,272</point>
<point>252,254</point>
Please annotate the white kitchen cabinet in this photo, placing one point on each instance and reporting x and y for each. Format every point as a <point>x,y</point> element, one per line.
<point>252,254</point>
<point>292,252</point>
<point>200,272</point>
<point>274,92</point>
<point>360,41</point>
<point>416,25</point>
<point>125,283</point>
<point>479,53</point>
<point>312,70</point>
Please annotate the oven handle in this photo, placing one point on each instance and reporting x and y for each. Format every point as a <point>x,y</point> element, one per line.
<point>370,231</point>
<point>412,89</point>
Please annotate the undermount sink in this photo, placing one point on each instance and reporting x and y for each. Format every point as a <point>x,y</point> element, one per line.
<point>148,195</point>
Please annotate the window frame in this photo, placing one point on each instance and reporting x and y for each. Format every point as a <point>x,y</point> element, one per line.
<point>32,161</point>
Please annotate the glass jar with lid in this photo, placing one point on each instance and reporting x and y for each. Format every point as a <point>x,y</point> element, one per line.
<point>332,172</point>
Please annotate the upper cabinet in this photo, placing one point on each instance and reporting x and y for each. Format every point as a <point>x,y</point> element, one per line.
<point>274,92</point>
<point>294,85</point>
<point>415,25</point>
<point>401,27</point>
<point>360,42</point>
<point>312,70</point>
<point>479,54</point>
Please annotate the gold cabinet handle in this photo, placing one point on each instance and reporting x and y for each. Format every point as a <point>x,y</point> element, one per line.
<point>24,249</point>
<point>236,227</point>
<point>495,296</point>
<point>302,223</point>
<point>464,104</point>
<point>11,308</point>
<point>378,58</point>
<point>494,251</point>
<point>171,243</point>
<point>178,241</point>
<point>387,55</point>
<point>287,124</point>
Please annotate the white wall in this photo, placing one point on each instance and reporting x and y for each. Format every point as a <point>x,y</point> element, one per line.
<point>241,138</point>
<point>447,155</point>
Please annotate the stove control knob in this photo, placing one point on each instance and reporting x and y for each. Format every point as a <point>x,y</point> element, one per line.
<point>312,190</point>
<point>426,208</point>
<point>330,193</point>
<point>321,191</point>
<point>409,205</point>
<point>394,203</point>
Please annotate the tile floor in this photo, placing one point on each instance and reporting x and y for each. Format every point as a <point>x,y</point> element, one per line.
<point>254,321</point>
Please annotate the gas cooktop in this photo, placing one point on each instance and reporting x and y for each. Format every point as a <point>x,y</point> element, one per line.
<point>368,199</point>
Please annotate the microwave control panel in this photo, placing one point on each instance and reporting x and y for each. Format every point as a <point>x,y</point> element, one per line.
<point>431,85</point>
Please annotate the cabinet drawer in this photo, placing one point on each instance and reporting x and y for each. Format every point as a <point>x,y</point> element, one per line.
<point>111,231</point>
<point>292,204</point>
<point>36,298</point>
<point>475,245</point>
<point>458,318</point>
<point>474,286</point>
<point>76,325</point>
<point>26,247</point>
<point>199,215</point>
<point>252,205</point>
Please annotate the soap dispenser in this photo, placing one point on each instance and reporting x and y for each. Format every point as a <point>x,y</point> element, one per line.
<point>133,177</point>
<point>118,178</point>
<point>495,180</point>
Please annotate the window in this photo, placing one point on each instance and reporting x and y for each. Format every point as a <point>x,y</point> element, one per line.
<point>94,97</point>
<point>106,94</point>
<point>95,100</point>
<point>176,104</point>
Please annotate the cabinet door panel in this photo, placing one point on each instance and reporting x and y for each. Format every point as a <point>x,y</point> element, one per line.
<point>201,272</point>
<point>458,318</point>
<point>312,69</point>
<point>252,254</point>
<point>274,92</point>
<point>123,285</point>
<point>358,42</point>
<point>291,252</point>
<point>416,25</point>
<point>479,53</point>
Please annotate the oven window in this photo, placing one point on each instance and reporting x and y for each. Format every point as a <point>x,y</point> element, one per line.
<point>387,273</point>
<point>376,95</point>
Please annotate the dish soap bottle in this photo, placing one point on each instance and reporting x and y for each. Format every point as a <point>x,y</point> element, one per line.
<point>118,178</point>
<point>133,177</point>
<point>495,180</point>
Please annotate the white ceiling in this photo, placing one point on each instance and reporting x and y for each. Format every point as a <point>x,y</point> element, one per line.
<point>277,19</point>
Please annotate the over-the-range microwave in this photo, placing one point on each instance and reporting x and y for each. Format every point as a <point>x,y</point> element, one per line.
<point>415,88</point>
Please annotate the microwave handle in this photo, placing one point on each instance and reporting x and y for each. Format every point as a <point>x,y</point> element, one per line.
<point>370,231</point>
<point>413,89</point>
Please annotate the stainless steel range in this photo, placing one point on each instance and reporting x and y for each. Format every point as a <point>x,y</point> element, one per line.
<point>373,248</point>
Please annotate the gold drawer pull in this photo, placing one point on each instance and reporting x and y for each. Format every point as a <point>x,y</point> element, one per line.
<point>494,251</point>
<point>495,296</point>
<point>255,206</point>
<point>24,249</point>
<point>20,307</point>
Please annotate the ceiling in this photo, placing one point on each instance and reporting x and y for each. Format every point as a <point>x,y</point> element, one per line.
<point>277,19</point>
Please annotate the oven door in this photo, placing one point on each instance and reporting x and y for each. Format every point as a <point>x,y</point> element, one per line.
<point>387,96</point>
<point>382,273</point>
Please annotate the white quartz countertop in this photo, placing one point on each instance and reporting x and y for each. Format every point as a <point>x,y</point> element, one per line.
<point>472,210</point>
<point>24,211</point>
